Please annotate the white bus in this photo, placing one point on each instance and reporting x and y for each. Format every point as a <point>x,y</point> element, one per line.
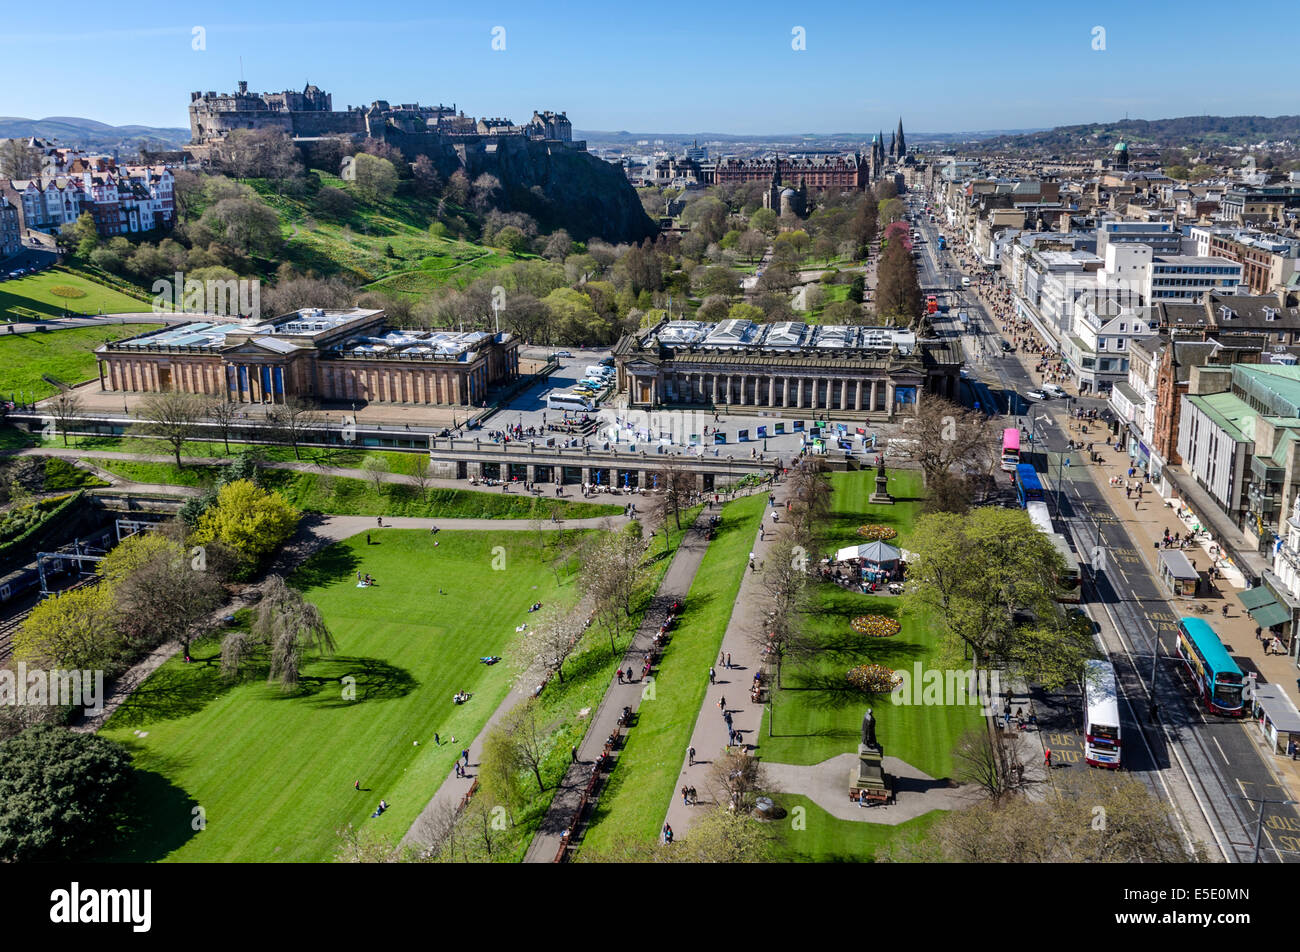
<point>1040,517</point>
<point>564,400</point>
<point>1101,741</point>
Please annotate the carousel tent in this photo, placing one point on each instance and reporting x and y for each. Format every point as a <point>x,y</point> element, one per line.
<point>881,553</point>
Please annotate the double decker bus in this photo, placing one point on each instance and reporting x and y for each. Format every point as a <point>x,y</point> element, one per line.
<point>1030,486</point>
<point>1068,581</point>
<point>1010,449</point>
<point>1214,674</point>
<point>932,304</point>
<point>1101,741</point>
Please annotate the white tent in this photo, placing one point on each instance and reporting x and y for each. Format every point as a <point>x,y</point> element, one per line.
<point>878,552</point>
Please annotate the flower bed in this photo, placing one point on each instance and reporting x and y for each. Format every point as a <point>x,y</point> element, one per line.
<point>875,626</point>
<point>874,679</point>
<point>877,533</point>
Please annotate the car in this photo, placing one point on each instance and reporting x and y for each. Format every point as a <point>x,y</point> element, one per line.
<point>1036,395</point>
<point>562,353</point>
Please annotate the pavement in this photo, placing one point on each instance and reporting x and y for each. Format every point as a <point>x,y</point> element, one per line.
<point>827,785</point>
<point>564,806</point>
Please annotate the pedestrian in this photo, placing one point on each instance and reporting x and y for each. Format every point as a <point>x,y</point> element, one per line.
<point>712,676</point>
<point>356,784</point>
<point>465,754</point>
<point>367,538</point>
<point>1225,611</point>
<point>1291,748</point>
<point>685,795</point>
<point>573,754</point>
<point>620,675</point>
<point>728,659</point>
<point>437,741</point>
<point>722,703</point>
<point>1047,758</point>
<point>690,756</point>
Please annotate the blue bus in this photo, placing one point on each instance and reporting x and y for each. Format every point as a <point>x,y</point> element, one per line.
<point>1214,674</point>
<point>1029,485</point>
<point>943,242</point>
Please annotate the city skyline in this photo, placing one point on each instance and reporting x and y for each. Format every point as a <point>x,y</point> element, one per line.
<point>677,73</point>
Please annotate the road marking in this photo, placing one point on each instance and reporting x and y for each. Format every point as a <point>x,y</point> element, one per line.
<point>1221,753</point>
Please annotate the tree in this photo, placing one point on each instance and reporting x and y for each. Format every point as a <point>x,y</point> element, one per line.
<point>86,234</point>
<point>810,502</point>
<point>288,626</point>
<point>764,220</point>
<point>18,160</point>
<point>857,289</point>
<point>224,414</point>
<point>292,418</point>
<point>547,644</point>
<point>752,243</point>
<point>559,245</point>
<point>458,187</point>
<point>943,437</point>
<point>168,592</point>
<point>979,575</point>
<point>245,224</point>
<point>421,473</point>
<point>375,468</point>
<point>248,519</point>
<point>983,760</point>
<point>427,179</point>
<point>735,777</point>
<point>1093,819</point>
<point>66,408</point>
<point>376,178</point>
<point>785,582</point>
<point>172,417</point>
<point>59,793</point>
<point>72,629</point>
<point>335,203</point>
<point>898,291</point>
<point>609,578</point>
<point>676,485</point>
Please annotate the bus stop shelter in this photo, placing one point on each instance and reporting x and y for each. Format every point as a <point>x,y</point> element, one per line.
<point>1178,573</point>
<point>1276,716</point>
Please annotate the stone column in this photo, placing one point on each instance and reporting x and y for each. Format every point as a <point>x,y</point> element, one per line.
<point>798,393</point>
<point>873,395</point>
<point>771,391</point>
<point>531,471</point>
<point>857,396</point>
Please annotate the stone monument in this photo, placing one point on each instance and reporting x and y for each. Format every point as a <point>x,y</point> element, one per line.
<point>881,495</point>
<point>869,778</point>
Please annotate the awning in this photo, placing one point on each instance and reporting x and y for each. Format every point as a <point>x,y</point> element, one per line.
<point>1271,614</point>
<point>1256,597</point>
<point>1272,698</point>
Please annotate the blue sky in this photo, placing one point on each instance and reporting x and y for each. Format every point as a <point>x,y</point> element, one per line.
<point>663,67</point>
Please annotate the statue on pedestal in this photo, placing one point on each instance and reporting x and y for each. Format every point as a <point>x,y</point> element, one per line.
<point>868,729</point>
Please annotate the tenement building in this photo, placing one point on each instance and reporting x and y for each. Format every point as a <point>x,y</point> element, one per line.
<point>855,371</point>
<point>321,355</point>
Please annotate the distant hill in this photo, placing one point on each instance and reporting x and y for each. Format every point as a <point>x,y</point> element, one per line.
<point>1189,131</point>
<point>623,139</point>
<point>90,134</point>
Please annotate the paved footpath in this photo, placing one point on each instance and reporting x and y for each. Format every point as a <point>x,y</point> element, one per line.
<point>674,587</point>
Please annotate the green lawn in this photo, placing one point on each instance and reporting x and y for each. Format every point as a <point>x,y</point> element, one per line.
<point>645,776</point>
<point>66,355</point>
<point>818,715</point>
<point>333,456</point>
<point>34,293</point>
<point>340,495</point>
<point>274,773</point>
<point>828,839</point>
<point>566,706</point>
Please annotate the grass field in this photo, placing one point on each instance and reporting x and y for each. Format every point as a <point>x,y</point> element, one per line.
<point>587,676</point>
<point>645,776</point>
<point>828,839</point>
<point>340,495</point>
<point>818,715</point>
<point>359,244</point>
<point>67,355</point>
<point>33,293</point>
<point>273,772</point>
<point>334,456</point>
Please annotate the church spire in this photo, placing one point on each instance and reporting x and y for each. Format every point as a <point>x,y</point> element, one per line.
<point>902,145</point>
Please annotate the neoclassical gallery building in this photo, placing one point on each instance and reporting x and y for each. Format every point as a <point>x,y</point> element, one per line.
<point>323,355</point>
<point>866,372</point>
